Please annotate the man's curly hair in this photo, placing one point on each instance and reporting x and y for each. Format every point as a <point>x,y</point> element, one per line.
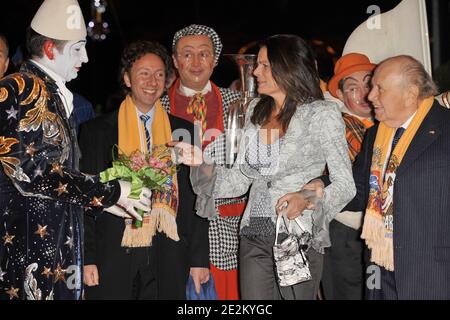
<point>136,50</point>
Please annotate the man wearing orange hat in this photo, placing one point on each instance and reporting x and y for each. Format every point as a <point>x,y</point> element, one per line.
<point>343,272</point>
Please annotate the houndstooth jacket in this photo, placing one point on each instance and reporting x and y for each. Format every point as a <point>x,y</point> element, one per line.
<point>223,231</point>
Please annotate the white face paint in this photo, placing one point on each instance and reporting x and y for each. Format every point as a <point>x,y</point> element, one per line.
<point>67,63</point>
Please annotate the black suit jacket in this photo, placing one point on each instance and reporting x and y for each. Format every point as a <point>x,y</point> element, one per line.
<point>421,208</point>
<point>103,233</point>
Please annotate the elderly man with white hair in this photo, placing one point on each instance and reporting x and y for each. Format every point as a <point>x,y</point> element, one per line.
<point>402,176</point>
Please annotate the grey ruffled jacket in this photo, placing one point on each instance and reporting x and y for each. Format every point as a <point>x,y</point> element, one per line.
<point>315,139</point>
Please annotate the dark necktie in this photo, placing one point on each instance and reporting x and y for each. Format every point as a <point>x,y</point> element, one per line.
<point>398,134</point>
<point>148,137</point>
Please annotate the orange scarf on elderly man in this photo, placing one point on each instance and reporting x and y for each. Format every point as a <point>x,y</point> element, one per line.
<point>378,228</point>
<point>162,217</point>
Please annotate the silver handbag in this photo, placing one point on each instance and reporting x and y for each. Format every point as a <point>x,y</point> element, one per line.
<point>290,259</point>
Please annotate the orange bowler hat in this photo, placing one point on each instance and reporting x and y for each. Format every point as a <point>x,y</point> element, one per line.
<point>345,66</point>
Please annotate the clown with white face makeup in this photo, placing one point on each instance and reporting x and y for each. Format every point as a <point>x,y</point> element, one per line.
<point>68,62</point>
<point>42,191</point>
<point>62,61</point>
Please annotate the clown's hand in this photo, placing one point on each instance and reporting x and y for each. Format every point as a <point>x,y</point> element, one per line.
<point>126,207</point>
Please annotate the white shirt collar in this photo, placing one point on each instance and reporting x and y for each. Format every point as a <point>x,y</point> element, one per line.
<point>405,126</point>
<point>150,113</point>
<point>66,95</point>
<point>408,122</point>
<point>188,92</point>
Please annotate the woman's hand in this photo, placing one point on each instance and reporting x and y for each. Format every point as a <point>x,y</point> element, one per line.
<point>316,185</point>
<point>293,204</point>
<point>186,153</point>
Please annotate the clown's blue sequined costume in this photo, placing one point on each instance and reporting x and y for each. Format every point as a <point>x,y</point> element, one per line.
<point>41,191</point>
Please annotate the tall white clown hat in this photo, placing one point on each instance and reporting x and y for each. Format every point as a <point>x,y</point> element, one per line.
<point>60,20</point>
<point>403,30</point>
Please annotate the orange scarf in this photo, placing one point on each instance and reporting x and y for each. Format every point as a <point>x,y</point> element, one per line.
<point>162,217</point>
<point>377,230</point>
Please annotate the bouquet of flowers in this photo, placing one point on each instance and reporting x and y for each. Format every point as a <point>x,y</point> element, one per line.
<point>142,170</point>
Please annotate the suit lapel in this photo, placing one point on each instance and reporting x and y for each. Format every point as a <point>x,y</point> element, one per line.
<point>428,132</point>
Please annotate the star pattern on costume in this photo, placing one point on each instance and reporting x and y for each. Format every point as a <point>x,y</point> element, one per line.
<point>8,239</point>
<point>2,273</point>
<point>69,242</point>
<point>88,177</point>
<point>20,175</point>
<point>12,113</point>
<point>57,168</point>
<point>97,202</point>
<point>47,272</point>
<point>13,293</point>
<point>42,231</point>
<point>60,274</point>
<point>108,186</point>
<point>62,188</point>
<point>30,150</point>
<point>38,172</point>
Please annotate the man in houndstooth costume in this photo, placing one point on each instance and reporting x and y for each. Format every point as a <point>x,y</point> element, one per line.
<point>196,50</point>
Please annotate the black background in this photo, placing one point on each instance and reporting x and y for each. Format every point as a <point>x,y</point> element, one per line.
<point>237,22</point>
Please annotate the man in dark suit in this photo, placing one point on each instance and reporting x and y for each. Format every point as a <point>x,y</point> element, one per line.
<point>159,270</point>
<point>407,220</point>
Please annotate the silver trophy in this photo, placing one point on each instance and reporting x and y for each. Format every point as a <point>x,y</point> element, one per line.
<point>236,114</point>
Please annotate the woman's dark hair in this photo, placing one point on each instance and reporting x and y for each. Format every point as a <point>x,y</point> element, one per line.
<point>35,43</point>
<point>136,50</point>
<point>294,70</point>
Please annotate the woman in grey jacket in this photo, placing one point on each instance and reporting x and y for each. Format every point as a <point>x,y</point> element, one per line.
<point>291,134</point>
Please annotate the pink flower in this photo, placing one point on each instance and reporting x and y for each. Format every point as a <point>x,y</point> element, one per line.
<point>137,161</point>
<point>156,163</point>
